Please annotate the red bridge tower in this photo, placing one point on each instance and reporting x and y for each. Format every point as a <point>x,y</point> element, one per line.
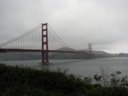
<point>45,59</point>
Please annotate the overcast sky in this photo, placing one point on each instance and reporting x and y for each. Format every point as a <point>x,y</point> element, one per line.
<point>104,23</point>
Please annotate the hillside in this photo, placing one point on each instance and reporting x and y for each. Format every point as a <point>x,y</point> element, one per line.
<point>37,55</point>
<point>20,56</point>
<point>66,49</point>
<point>96,54</point>
<point>70,55</point>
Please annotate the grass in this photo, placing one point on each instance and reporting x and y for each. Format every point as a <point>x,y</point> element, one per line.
<point>17,81</point>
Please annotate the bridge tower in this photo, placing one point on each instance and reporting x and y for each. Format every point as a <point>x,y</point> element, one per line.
<point>45,58</point>
<point>90,47</point>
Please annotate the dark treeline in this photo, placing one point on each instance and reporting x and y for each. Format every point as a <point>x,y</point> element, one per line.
<point>22,81</point>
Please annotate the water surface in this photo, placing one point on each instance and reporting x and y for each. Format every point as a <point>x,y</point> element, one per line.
<point>79,67</point>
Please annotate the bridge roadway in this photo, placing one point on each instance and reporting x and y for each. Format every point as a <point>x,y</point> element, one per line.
<point>39,50</point>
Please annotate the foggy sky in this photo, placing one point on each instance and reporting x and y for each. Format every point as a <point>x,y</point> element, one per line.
<point>104,23</point>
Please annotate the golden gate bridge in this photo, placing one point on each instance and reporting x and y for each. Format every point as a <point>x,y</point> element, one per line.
<point>21,44</point>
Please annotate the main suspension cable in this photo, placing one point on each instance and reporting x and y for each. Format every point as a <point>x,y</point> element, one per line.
<point>21,36</point>
<point>59,37</point>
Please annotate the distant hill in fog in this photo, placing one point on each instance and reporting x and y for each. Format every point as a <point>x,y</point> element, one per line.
<point>37,55</point>
<point>97,54</point>
<point>66,49</point>
<point>20,56</point>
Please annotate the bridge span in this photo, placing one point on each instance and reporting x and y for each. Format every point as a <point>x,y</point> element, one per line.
<point>39,50</point>
<point>44,45</point>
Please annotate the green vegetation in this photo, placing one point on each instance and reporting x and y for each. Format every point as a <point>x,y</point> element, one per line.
<point>17,81</point>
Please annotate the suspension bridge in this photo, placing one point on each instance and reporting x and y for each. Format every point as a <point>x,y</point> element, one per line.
<point>34,41</point>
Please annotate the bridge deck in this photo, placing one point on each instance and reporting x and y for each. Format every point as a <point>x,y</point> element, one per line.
<point>39,50</point>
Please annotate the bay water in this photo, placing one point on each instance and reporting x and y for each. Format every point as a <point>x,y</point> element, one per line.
<point>80,67</point>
